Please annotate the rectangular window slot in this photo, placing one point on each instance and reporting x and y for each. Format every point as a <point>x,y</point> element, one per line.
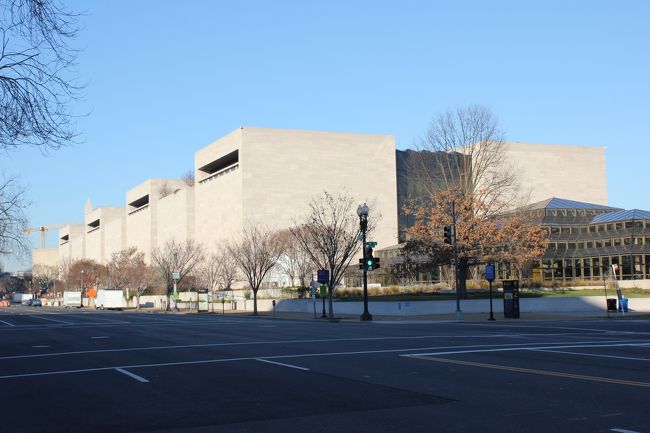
<point>92,226</point>
<point>220,166</point>
<point>139,204</point>
<point>64,240</point>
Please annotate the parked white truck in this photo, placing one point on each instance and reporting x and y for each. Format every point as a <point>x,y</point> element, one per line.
<point>109,299</point>
<point>21,297</point>
<point>72,299</point>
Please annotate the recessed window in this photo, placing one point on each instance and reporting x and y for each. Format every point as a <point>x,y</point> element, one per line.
<point>616,242</point>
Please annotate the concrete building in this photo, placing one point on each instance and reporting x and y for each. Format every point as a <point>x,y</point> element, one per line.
<point>269,176</point>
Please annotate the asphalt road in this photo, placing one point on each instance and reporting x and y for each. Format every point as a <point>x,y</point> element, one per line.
<point>87,371</point>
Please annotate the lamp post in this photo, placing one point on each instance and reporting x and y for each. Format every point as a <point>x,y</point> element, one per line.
<point>362,211</point>
<point>82,287</point>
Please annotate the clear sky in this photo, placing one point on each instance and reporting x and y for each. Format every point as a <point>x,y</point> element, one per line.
<point>166,78</point>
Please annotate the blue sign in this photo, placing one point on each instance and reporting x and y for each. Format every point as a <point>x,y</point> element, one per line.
<point>489,272</point>
<point>323,276</point>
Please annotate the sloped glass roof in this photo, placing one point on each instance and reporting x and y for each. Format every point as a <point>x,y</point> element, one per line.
<point>561,203</point>
<point>632,214</point>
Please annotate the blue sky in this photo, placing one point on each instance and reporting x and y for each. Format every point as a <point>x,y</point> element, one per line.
<point>166,78</point>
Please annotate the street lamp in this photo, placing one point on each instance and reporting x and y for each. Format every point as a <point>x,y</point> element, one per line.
<point>362,211</point>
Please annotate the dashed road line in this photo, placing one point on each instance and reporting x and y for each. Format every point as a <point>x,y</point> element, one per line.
<point>134,376</point>
<point>101,337</point>
<point>42,346</point>
<point>53,320</point>
<point>7,323</point>
<point>281,364</point>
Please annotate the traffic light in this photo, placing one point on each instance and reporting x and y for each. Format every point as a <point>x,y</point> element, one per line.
<point>361,264</point>
<point>375,264</point>
<point>370,260</point>
<point>448,234</point>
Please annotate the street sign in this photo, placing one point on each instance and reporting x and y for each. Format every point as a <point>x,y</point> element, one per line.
<point>489,272</point>
<point>176,275</point>
<point>371,244</point>
<point>323,276</point>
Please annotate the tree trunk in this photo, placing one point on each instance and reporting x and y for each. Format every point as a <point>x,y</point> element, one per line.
<point>137,300</point>
<point>254,302</point>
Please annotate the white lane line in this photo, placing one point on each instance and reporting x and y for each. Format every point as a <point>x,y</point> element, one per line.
<point>43,346</point>
<point>131,375</point>
<point>325,340</point>
<point>629,358</point>
<point>622,430</point>
<point>204,361</point>
<point>7,323</point>
<point>282,364</point>
<point>99,337</point>
<point>53,320</point>
<point>511,349</point>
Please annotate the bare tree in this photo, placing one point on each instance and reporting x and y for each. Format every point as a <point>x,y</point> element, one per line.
<point>181,257</point>
<point>128,270</point>
<point>36,82</point>
<point>12,218</point>
<point>44,275</point>
<point>294,261</point>
<point>83,274</point>
<point>189,178</point>
<point>465,166</point>
<point>330,236</point>
<point>165,190</point>
<point>256,253</point>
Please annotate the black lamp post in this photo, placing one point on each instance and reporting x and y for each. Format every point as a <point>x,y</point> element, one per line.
<point>362,211</point>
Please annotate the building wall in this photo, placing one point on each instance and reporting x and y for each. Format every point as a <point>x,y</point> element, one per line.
<point>176,217</point>
<point>283,170</point>
<point>142,222</point>
<point>45,256</point>
<point>97,242</point>
<point>550,170</point>
<point>218,205</point>
<point>114,235</point>
<point>75,246</point>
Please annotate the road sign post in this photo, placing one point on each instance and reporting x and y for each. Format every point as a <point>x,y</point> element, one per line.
<point>490,275</point>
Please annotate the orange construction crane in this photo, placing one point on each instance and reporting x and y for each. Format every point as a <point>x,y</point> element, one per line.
<point>43,230</point>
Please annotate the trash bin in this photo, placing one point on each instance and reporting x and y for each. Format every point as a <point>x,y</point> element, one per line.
<point>624,304</point>
<point>611,305</point>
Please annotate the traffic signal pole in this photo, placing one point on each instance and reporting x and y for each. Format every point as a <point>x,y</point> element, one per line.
<point>459,313</point>
<point>365,316</point>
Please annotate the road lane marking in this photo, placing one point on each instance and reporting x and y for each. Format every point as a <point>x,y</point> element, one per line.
<point>99,337</point>
<point>629,358</point>
<point>134,376</point>
<point>217,360</point>
<point>7,323</point>
<point>41,346</point>
<point>572,345</point>
<point>282,364</point>
<point>622,430</point>
<point>510,346</point>
<point>53,320</point>
<point>533,371</point>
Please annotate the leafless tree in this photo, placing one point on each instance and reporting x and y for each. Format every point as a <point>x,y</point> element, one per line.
<point>36,82</point>
<point>128,270</point>
<point>83,274</point>
<point>44,275</point>
<point>294,261</point>
<point>257,251</point>
<point>330,236</point>
<point>189,178</point>
<point>12,218</point>
<point>467,147</point>
<point>181,257</point>
<point>165,190</point>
